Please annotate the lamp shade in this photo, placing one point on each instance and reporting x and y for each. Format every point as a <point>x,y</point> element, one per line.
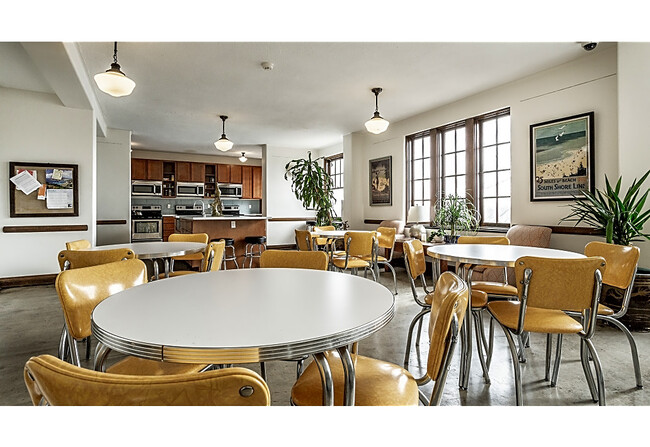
<point>418,214</point>
<point>376,124</point>
<point>223,144</point>
<point>243,157</point>
<point>113,81</point>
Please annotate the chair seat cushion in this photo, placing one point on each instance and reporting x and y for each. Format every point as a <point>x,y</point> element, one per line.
<point>495,288</point>
<point>178,273</point>
<point>380,258</point>
<point>604,310</point>
<point>377,383</point>
<point>479,298</point>
<point>136,366</point>
<point>546,321</point>
<point>353,262</point>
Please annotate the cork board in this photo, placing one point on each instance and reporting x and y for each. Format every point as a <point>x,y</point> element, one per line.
<point>59,192</point>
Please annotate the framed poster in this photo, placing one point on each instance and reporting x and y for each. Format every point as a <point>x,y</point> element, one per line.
<point>381,188</point>
<point>562,158</point>
<point>43,189</point>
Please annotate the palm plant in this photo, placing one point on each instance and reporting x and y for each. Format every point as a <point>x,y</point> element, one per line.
<point>313,187</point>
<point>622,220</point>
<point>455,213</point>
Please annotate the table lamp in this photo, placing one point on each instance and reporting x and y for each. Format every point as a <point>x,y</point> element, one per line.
<point>417,214</point>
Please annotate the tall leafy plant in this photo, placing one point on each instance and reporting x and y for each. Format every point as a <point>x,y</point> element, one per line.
<point>621,218</point>
<point>455,213</point>
<point>312,186</point>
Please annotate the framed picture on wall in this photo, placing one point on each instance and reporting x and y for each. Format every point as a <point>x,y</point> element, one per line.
<point>381,188</point>
<point>562,158</point>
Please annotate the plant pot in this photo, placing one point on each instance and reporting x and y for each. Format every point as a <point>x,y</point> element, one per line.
<point>451,239</point>
<point>637,317</point>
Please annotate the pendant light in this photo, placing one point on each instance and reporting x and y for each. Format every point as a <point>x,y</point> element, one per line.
<point>113,81</point>
<point>223,143</point>
<point>243,157</point>
<point>376,124</point>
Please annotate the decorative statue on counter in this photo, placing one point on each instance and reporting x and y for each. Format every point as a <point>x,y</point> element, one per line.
<point>216,206</point>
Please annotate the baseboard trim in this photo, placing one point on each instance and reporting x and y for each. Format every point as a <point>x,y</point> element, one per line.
<point>281,247</point>
<point>24,281</point>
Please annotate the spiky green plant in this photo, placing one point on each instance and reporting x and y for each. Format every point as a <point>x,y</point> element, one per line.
<point>622,220</point>
<point>455,214</point>
<point>312,186</point>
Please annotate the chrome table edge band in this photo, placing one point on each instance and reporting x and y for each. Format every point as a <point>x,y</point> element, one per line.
<point>238,355</point>
<point>464,260</point>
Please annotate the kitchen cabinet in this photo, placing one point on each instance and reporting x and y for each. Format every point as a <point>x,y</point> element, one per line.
<point>190,172</point>
<point>142,169</point>
<point>247,182</point>
<point>210,180</point>
<point>235,174</point>
<point>197,172</point>
<point>169,179</point>
<point>154,170</point>
<point>169,226</point>
<point>257,182</point>
<point>223,173</point>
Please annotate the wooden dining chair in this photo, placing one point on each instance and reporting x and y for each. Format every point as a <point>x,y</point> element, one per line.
<point>80,290</point>
<point>211,262</point>
<point>81,244</point>
<point>548,287</point>
<point>201,238</point>
<point>383,383</point>
<point>51,381</point>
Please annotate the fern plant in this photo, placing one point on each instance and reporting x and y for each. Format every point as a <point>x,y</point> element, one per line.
<point>313,187</point>
<point>622,219</point>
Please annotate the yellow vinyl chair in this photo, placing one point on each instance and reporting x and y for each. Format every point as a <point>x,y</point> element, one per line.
<point>211,262</point>
<point>202,238</point>
<point>386,241</point>
<point>323,242</point>
<point>547,287</point>
<point>51,381</point>
<point>81,244</point>
<point>383,383</point>
<point>304,240</point>
<point>80,290</point>
<point>358,246</point>
<point>73,259</point>
<point>621,262</point>
<point>416,268</point>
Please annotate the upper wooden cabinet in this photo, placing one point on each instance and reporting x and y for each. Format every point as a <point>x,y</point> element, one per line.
<point>197,172</point>
<point>257,182</point>
<point>190,172</point>
<point>247,182</point>
<point>223,173</point>
<point>142,169</point>
<point>235,174</point>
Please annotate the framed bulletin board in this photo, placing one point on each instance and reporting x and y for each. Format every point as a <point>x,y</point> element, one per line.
<point>43,189</point>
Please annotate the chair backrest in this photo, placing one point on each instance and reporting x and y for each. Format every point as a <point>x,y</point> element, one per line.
<point>213,256</point>
<point>295,259</point>
<point>560,284</point>
<point>81,244</point>
<point>386,237</point>
<point>74,259</point>
<point>449,302</point>
<point>323,240</point>
<point>621,261</point>
<point>202,238</point>
<point>492,240</point>
<point>414,252</point>
<point>80,290</point>
<point>359,243</point>
<point>529,235</point>
<point>55,382</point>
<point>303,240</point>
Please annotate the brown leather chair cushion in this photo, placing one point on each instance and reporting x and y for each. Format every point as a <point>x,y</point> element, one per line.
<point>494,288</point>
<point>537,320</point>
<point>479,298</point>
<point>604,310</point>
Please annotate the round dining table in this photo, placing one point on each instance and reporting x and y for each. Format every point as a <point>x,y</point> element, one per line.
<point>245,316</point>
<point>468,256</point>
<point>155,250</point>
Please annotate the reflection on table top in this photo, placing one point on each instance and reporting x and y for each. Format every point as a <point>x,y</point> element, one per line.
<point>497,255</point>
<point>148,250</point>
<point>337,233</point>
<point>241,316</point>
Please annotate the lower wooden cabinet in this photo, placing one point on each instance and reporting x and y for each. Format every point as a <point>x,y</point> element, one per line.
<point>169,226</point>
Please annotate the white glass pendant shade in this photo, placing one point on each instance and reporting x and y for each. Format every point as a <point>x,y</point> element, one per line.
<point>376,124</point>
<point>243,157</point>
<point>223,144</point>
<point>114,82</point>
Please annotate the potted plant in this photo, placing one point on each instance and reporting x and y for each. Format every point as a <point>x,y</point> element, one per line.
<point>621,218</point>
<point>455,214</point>
<point>313,187</point>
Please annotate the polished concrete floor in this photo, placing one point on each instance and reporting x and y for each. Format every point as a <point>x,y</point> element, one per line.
<point>31,321</point>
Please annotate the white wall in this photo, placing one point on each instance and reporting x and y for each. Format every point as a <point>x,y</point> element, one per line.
<point>633,112</point>
<point>114,186</point>
<point>35,127</point>
<point>279,200</point>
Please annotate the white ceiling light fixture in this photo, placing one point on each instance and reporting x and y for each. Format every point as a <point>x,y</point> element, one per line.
<point>223,143</point>
<point>113,81</point>
<point>376,124</point>
<point>243,157</point>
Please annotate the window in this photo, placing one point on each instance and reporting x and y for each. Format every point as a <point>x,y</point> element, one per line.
<point>334,167</point>
<point>469,158</point>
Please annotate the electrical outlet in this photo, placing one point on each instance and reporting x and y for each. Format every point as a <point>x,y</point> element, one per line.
<point>169,205</point>
<point>233,224</point>
<point>250,206</point>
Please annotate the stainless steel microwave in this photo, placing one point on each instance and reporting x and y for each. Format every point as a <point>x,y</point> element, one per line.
<point>146,188</point>
<point>229,190</point>
<point>188,189</point>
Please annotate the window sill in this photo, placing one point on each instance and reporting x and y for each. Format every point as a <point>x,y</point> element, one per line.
<point>503,230</point>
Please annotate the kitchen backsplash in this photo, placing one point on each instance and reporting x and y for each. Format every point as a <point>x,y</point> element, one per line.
<point>168,205</point>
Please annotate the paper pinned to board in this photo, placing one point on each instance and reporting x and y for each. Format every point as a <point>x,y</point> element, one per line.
<point>25,182</point>
<point>59,199</point>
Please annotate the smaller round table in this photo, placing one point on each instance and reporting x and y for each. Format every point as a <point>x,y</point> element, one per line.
<point>157,250</point>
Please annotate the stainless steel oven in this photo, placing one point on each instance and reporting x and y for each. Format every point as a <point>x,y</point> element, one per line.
<point>187,189</point>
<point>228,190</point>
<point>146,188</point>
<point>146,223</point>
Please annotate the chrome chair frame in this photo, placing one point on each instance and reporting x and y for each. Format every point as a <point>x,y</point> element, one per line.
<point>233,258</point>
<point>250,253</point>
<point>371,264</point>
<point>386,263</point>
<point>426,308</point>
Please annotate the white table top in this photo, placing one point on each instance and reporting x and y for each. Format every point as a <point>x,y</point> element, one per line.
<point>496,255</point>
<point>242,316</point>
<point>149,250</point>
<point>336,233</point>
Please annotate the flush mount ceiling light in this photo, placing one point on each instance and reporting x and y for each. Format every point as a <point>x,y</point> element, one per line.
<point>243,157</point>
<point>113,81</point>
<point>376,124</point>
<point>223,143</point>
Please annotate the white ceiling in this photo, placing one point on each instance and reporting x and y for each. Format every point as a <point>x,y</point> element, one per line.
<point>315,94</point>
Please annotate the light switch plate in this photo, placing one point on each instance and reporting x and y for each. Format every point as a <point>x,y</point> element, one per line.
<point>233,224</point>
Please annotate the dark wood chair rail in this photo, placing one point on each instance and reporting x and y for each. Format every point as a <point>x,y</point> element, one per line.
<point>43,228</point>
<point>111,222</point>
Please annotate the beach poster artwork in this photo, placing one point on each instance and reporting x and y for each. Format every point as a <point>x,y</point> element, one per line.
<point>60,188</point>
<point>380,181</point>
<point>562,158</point>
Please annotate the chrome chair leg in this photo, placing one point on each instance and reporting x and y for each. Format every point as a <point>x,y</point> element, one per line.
<point>74,352</point>
<point>584,359</point>
<point>549,346</point>
<point>390,267</point>
<point>263,370</point>
<point>630,339</point>
<point>63,344</point>
<point>490,348</point>
<point>558,358</point>
<point>409,336</point>
<point>88,346</point>
<point>599,372</point>
<point>515,364</point>
<point>480,339</point>
<point>348,372</point>
<point>326,379</point>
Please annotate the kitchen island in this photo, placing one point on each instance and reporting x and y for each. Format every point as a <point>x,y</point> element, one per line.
<point>235,227</point>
